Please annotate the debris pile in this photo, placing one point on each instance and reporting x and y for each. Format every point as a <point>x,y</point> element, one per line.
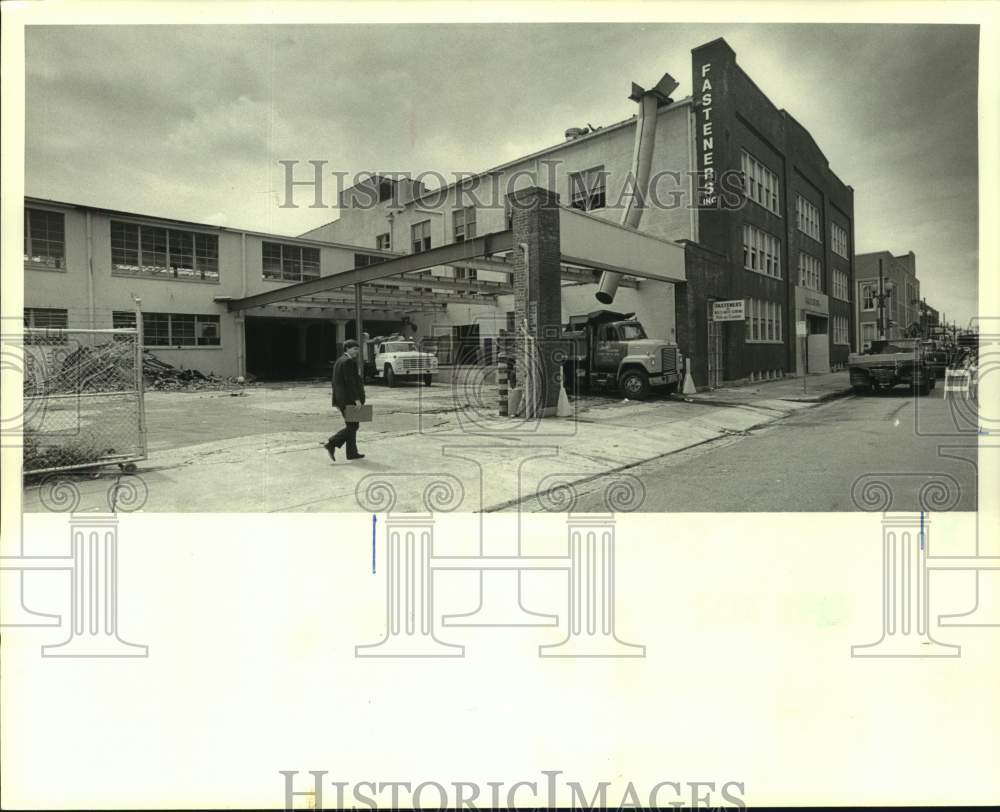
<point>160,375</point>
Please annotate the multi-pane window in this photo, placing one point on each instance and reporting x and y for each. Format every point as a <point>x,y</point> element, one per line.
<point>761,252</point>
<point>868,333</point>
<point>172,329</point>
<point>838,241</point>
<point>364,260</point>
<point>868,295</point>
<point>45,239</point>
<point>763,321</point>
<point>467,274</point>
<point>587,189</point>
<point>807,217</point>
<point>420,236</point>
<point>841,330</point>
<point>464,223</point>
<point>759,183</point>
<point>51,319</point>
<point>383,242</point>
<point>810,272</point>
<point>164,253</point>
<point>289,263</point>
<point>841,288</point>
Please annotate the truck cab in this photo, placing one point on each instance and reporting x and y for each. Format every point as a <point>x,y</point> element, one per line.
<point>613,349</point>
<point>395,358</point>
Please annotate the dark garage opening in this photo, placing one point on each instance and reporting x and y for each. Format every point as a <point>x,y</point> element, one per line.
<point>287,349</point>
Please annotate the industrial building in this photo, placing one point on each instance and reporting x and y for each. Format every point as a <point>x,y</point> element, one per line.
<point>745,234</point>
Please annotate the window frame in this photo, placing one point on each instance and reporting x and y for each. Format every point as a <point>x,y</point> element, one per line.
<point>60,262</point>
<point>594,197</point>
<point>152,322</point>
<point>424,241</point>
<point>835,241</point>
<point>761,252</point>
<point>761,185</point>
<point>204,266</point>
<point>284,262</point>
<point>807,217</point>
<point>29,316</point>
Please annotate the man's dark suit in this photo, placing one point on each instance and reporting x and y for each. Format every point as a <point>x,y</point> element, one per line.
<point>348,389</point>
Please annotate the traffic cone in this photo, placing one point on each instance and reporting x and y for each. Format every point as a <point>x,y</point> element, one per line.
<point>688,388</point>
<point>563,409</point>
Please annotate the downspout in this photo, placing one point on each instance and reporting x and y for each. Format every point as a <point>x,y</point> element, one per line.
<point>642,160</point>
<point>90,271</point>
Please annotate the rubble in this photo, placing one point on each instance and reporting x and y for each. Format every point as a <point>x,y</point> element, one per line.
<point>160,376</point>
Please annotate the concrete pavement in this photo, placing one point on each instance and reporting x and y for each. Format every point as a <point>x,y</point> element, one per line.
<point>814,389</point>
<point>437,447</point>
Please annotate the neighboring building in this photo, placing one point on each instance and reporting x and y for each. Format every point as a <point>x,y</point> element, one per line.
<point>930,319</point>
<point>900,313</point>
<point>775,229</point>
<point>83,266</point>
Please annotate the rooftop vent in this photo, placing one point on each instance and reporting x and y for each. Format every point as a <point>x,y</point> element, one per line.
<point>575,132</point>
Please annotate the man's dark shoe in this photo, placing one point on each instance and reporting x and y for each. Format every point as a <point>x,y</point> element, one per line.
<point>331,449</point>
<point>355,456</point>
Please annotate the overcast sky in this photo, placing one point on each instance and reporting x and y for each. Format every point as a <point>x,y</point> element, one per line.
<point>189,122</point>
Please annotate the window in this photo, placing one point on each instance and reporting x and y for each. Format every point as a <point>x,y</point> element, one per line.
<point>289,263</point>
<point>469,274</point>
<point>385,189</point>
<point>759,183</point>
<point>50,319</point>
<point>868,295</point>
<point>420,236</point>
<point>164,253</point>
<point>761,252</point>
<point>841,288</point>
<point>364,260</point>
<point>763,321</point>
<point>464,223</point>
<point>840,330</point>
<point>838,240</point>
<point>586,189</point>
<point>868,333</point>
<point>383,242</point>
<point>45,239</point>
<point>807,217</point>
<point>172,329</point>
<point>510,321</point>
<point>810,272</point>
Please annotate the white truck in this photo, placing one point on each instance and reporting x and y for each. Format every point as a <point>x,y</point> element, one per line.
<point>395,358</point>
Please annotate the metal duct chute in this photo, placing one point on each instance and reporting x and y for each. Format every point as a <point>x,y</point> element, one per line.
<point>650,101</point>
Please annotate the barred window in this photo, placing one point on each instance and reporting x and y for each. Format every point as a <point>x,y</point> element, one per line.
<point>163,253</point>
<point>763,321</point>
<point>45,239</point>
<point>759,183</point>
<point>761,252</point>
<point>810,272</point>
<point>464,223</point>
<point>838,241</point>
<point>807,217</point>
<point>587,189</point>
<point>172,329</point>
<point>289,263</point>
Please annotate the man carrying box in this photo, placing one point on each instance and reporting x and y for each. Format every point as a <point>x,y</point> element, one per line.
<point>348,394</point>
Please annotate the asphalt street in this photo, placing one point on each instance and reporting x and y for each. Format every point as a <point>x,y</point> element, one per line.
<point>883,452</point>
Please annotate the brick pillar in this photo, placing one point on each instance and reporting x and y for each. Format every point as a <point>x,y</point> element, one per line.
<point>537,292</point>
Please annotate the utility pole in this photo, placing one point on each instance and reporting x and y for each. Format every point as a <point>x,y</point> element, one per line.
<point>881,304</point>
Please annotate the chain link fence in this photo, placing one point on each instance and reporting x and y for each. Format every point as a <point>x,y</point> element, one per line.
<point>83,399</point>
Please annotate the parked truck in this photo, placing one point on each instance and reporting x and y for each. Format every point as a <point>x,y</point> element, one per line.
<point>612,349</point>
<point>394,358</point>
<point>889,363</point>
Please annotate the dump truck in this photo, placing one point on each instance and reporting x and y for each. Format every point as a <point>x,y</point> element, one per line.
<point>394,358</point>
<point>612,350</point>
<point>891,362</point>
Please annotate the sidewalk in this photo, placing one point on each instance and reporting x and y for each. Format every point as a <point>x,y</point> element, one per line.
<point>211,451</point>
<point>818,388</point>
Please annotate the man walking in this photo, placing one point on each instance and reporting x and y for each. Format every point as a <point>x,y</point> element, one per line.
<point>348,390</point>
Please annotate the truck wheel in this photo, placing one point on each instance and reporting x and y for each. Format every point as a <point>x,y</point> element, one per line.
<point>390,376</point>
<point>428,380</point>
<point>634,384</point>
